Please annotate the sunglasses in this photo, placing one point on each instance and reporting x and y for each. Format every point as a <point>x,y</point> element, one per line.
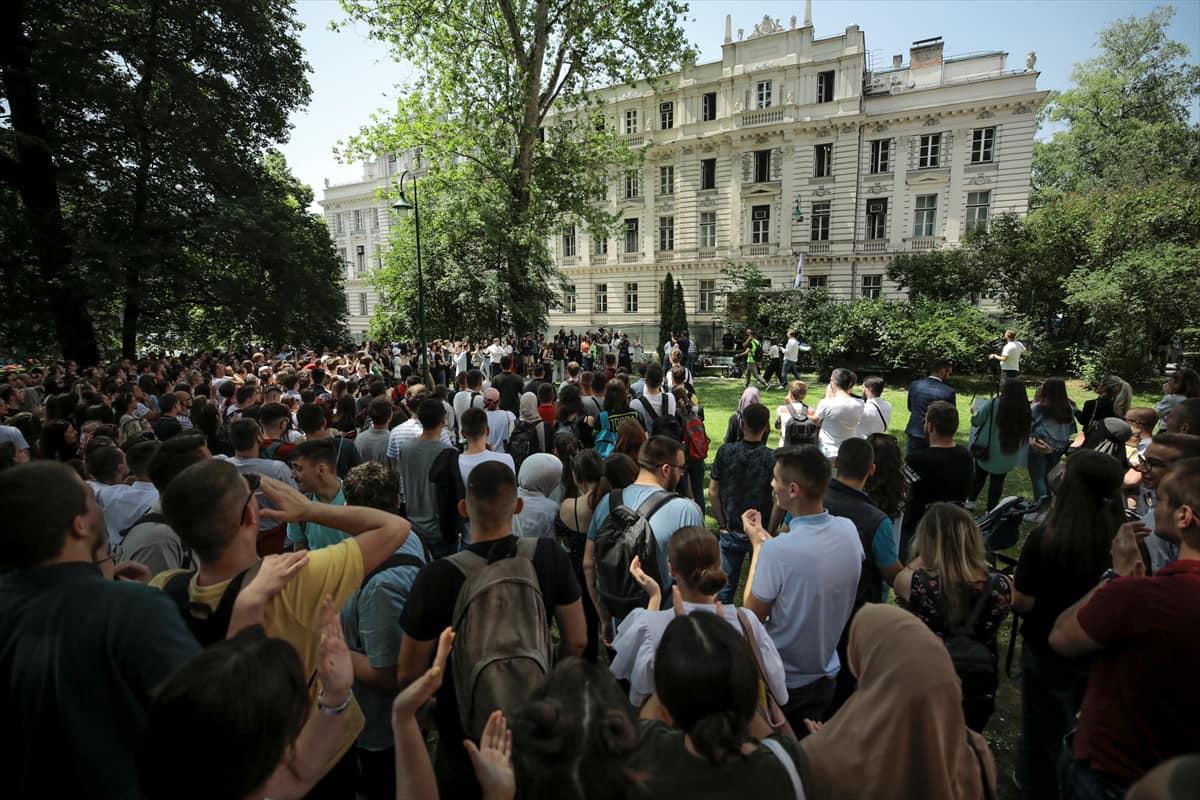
<point>253,480</point>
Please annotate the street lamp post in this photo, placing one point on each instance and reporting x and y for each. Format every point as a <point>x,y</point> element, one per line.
<point>400,206</point>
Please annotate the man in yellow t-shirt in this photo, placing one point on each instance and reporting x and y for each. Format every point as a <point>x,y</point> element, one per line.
<point>213,509</point>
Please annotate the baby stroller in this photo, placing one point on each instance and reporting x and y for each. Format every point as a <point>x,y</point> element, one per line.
<point>1001,529</point>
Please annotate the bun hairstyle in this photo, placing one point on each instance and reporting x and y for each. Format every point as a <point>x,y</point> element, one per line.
<point>707,678</point>
<point>576,737</point>
<point>696,558</point>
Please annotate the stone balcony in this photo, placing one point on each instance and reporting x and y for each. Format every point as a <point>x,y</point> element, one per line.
<point>922,243</point>
<point>871,246</point>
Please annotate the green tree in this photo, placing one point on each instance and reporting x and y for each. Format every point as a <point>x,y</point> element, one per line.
<point>949,274</point>
<point>480,110</point>
<point>678,309</point>
<point>666,311</point>
<point>1128,116</point>
<point>745,291</point>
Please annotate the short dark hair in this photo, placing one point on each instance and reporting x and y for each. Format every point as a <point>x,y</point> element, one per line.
<point>942,417</point>
<point>140,456</point>
<point>654,376</point>
<point>806,464</point>
<point>659,450</point>
<point>245,392</point>
<point>310,417</point>
<point>1182,479</point>
<point>506,363</point>
<point>491,487</point>
<point>243,742</point>
<point>545,393</point>
<point>380,411</point>
<point>939,365</point>
<point>473,423</point>
<point>244,434</point>
<point>431,413</point>
<point>174,456</point>
<point>321,451</point>
<point>756,418</point>
<point>271,413</point>
<point>1186,444</point>
<point>474,377</point>
<point>373,485</point>
<point>38,503</point>
<point>1186,413</point>
<point>200,505</point>
<point>874,385</point>
<point>103,462</point>
<point>167,401</point>
<point>855,458</point>
<point>842,378</point>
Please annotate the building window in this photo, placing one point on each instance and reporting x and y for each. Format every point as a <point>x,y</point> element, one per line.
<point>632,245</point>
<point>633,184</point>
<point>666,180</point>
<point>374,215</point>
<point>881,155</point>
<point>666,233</point>
<point>818,281</point>
<point>708,173</point>
<point>708,107</point>
<point>601,302</point>
<point>872,286</point>
<point>358,220</point>
<point>823,160</point>
<point>569,300</point>
<point>762,166</point>
<point>377,256</point>
<point>978,204</point>
<point>568,249</point>
<point>930,155</point>
<point>666,116</point>
<point>762,93</point>
<point>631,298</point>
<point>631,125</point>
<point>820,222</point>
<point>877,219</point>
<point>925,215</point>
<point>337,223</point>
<point>825,86</point>
<point>362,304</point>
<point>600,247</point>
<point>360,259</point>
<point>760,224</point>
<point>708,229</point>
<point>708,297</point>
<point>983,141</point>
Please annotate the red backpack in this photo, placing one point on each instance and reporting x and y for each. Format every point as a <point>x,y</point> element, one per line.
<point>695,438</point>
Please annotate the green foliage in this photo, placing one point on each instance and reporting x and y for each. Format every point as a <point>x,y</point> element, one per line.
<point>666,311</point>
<point>1128,117</point>
<point>679,320</point>
<point>951,274</point>
<point>480,110</point>
<point>746,295</point>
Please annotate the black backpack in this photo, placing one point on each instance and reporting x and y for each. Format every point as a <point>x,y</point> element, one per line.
<point>524,442</point>
<point>626,533</point>
<point>158,518</point>
<point>973,660</point>
<point>208,625</point>
<point>664,423</point>
<point>799,429</point>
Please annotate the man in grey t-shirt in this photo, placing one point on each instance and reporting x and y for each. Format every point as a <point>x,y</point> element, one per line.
<point>372,443</point>
<point>414,460</point>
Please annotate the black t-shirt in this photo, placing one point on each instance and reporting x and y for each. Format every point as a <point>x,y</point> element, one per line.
<point>1055,587</point>
<point>430,609</point>
<point>510,387</point>
<point>79,656</point>
<point>945,475</point>
<point>673,771</point>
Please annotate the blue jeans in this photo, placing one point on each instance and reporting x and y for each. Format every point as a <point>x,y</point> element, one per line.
<point>789,368</point>
<point>1039,467</point>
<point>734,549</point>
<point>1078,781</point>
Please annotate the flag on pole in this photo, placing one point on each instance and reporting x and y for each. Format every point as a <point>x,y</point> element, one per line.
<point>799,270</point>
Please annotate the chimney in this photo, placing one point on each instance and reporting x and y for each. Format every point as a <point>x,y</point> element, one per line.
<point>898,61</point>
<point>925,53</point>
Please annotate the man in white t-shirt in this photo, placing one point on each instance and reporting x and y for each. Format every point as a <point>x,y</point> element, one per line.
<point>650,404</point>
<point>1010,356</point>
<point>839,413</point>
<point>877,412</point>
<point>471,397</point>
<point>474,426</point>
<point>500,422</point>
<point>791,357</point>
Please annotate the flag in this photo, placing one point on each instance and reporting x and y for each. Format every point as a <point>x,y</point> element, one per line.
<point>799,270</point>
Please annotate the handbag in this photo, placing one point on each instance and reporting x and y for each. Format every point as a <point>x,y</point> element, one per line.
<point>769,718</point>
<point>981,448</point>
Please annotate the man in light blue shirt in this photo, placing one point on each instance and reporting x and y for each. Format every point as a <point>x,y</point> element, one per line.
<point>314,465</point>
<point>663,463</point>
<point>802,584</point>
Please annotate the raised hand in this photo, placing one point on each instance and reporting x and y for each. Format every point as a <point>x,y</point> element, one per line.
<point>275,572</point>
<point>333,661</point>
<point>289,504</point>
<point>647,583</point>
<point>1126,555</point>
<point>417,693</point>
<point>492,759</point>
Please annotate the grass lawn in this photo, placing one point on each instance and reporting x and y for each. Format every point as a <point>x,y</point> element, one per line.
<point>719,397</point>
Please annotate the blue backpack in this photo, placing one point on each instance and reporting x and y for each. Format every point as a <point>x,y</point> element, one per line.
<point>606,438</point>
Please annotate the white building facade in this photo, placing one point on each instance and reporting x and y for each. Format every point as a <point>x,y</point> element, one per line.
<point>790,146</point>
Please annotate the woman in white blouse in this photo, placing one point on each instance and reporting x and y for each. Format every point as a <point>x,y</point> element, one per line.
<point>694,560</point>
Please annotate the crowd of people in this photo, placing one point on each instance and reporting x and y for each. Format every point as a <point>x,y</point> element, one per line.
<point>488,573</point>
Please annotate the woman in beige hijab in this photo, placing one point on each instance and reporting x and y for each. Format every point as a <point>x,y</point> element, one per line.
<point>902,733</point>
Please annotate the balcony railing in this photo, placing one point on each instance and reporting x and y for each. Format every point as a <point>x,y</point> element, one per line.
<point>630,258</point>
<point>664,255</point>
<point>765,116</point>
<point>758,249</point>
<point>635,139</point>
<point>925,243</point>
<point>818,247</point>
<point>872,246</point>
<point>706,253</point>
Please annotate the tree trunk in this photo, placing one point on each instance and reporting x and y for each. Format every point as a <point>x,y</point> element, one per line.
<point>34,175</point>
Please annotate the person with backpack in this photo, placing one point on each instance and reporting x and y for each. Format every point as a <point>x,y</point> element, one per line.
<point>638,520</point>
<point>792,419</point>
<point>695,443</point>
<point>950,587</point>
<point>733,430</point>
<point>616,410</point>
<point>475,592</point>
<point>657,407</point>
<point>741,479</point>
<point>530,433</point>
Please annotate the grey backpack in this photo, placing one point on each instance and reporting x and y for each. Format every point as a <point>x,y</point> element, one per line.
<point>502,649</point>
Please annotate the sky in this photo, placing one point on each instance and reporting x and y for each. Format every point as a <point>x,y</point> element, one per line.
<point>353,77</point>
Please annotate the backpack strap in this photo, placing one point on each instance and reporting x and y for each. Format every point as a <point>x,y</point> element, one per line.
<point>649,410</point>
<point>792,411</point>
<point>789,766</point>
<point>663,405</point>
<point>654,503</point>
<point>394,560</point>
<point>178,589</point>
<point>147,518</point>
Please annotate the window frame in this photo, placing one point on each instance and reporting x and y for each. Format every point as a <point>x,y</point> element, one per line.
<point>570,299</point>
<point>762,166</point>
<point>929,151</point>
<point>708,174</point>
<point>881,156</point>
<point>707,302</point>
<point>631,121</point>
<point>872,291</point>
<point>633,228</point>
<point>708,106</point>
<point>818,281</point>
<point>600,245</point>
<point>666,115</point>
<point>983,143</point>
<point>708,238</point>
<point>826,86</point>
<point>363,307</point>
<point>360,259</point>
<point>600,298</point>
<point>631,297</point>
<point>569,243</point>
<point>762,94</point>
<point>823,160</point>
<point>925,216</point>
<point>633,184</point>
<point>666,233</point>
<point>877,222</point>
<point>971,215</point>
<point>666,179</point>
<point>818,214</point>
<point>760,227</point>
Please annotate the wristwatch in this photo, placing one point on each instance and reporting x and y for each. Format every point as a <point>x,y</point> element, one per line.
<point>1109,574</point>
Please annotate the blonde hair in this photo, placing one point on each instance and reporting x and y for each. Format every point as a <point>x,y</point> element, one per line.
<point>949,542</point>
<point>797,390</point>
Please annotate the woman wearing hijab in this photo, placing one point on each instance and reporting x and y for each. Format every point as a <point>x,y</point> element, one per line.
<point>530,414</point>
<point>906,684</point>
<point>540,478</point>
<point>733,431</point>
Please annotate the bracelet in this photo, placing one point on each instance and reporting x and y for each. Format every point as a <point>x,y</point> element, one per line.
<point>334,710</point>
<point>1109,574</point>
